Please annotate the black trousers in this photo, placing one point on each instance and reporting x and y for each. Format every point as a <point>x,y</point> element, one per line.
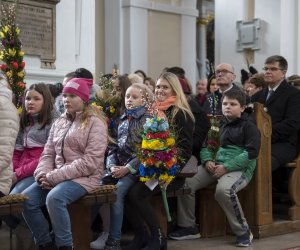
<point>138,208</point>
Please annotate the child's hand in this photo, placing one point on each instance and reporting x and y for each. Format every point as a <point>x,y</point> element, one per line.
<point>210,166</point>
<point>219,171</point>
<point>44,183</point>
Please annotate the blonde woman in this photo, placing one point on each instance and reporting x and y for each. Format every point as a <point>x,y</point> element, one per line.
<point>171,100</point>
<point>71,165</point>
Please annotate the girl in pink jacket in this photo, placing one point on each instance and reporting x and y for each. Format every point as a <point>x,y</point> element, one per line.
<point>71,166</point>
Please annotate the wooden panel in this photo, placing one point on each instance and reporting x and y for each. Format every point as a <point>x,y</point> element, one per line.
<point>13,208</point>
<point>80,215</point>
<point>263,176</point>
<point>212,219</point>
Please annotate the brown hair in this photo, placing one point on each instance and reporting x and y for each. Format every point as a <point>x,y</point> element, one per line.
<point>258,80</point>
<point>283,64</point>
<point>45,115</point>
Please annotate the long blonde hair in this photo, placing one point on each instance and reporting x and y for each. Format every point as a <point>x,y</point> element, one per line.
<point>90,111</point>
<point>181,102</point>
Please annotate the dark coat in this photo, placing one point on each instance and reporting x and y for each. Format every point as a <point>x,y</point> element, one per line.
<point>213,101</point>
<point>184,128</point>
<point>201,127</point>
<point>284,108</point>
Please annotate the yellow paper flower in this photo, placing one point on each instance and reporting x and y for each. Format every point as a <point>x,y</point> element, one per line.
<point>9,74</point>
<point>166,178</point>
<point>17,31</point>
<point>170,141</point>
<point>94,104</point>
<point>5,29</point>
<point>19,110</point>
<point>112,109</point>
<point>153,144</point>
<point>21,53</point>
<point>1,55</point>
<point>12,52</point>
<point>144,179</point>
<point>20,74</point>
<point>2,35</point>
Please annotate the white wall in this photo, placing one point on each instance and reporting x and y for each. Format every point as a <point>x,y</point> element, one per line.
<point>68,56</point>
<point>227,12</point>
<point>279,30</point>
<point>271,30</point>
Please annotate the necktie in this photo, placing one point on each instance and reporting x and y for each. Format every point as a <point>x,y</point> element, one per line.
<point>271,92</point>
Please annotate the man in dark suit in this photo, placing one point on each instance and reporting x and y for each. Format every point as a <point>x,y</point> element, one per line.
<point>282,103</point>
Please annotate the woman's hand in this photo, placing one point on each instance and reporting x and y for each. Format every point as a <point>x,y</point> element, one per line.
<point>119,171</point>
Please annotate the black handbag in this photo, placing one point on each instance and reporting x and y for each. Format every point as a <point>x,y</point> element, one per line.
<point>108,179</point>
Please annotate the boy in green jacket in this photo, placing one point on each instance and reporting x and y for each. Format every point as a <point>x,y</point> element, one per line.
<point>232,169</point>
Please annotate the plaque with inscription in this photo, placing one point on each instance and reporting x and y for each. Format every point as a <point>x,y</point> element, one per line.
<point>36,20</point>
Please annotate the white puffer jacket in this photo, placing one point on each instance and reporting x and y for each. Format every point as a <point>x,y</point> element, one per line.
<point>9,127</point>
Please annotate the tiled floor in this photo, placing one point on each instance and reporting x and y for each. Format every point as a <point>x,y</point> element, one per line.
<point>287,241</point>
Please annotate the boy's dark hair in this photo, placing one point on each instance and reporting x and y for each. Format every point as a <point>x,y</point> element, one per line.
<point>177,71</point>
<point>83,73</point>
<point>283,64</point>
<point>140,71</point>
<point>55,89</point>
<point>45,116</point>
<point>236,95</point>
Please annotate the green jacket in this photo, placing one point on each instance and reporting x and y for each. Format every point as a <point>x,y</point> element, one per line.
<point>233,158</point>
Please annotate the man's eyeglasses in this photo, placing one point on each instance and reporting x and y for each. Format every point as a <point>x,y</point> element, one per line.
<point>223,71</point>
<point>272,69</point>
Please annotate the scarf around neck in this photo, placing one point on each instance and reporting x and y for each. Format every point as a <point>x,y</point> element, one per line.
<point>163,106</point>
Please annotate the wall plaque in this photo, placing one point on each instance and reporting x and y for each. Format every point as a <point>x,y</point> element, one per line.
<point>37,22</point>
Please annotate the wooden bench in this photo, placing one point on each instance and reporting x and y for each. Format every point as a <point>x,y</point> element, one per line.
<point>11,209</point>
<point>294,187</point>
<point>11,205</point>
<point>80,214</point>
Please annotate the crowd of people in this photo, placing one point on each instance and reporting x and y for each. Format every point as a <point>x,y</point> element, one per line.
<point>60,147</point>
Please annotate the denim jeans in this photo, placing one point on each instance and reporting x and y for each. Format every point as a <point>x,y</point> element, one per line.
<point>56,201</point>
<point>117,208</point>
<point>14,220</point>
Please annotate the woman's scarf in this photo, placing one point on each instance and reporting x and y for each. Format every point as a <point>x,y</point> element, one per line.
<point>163,106</point>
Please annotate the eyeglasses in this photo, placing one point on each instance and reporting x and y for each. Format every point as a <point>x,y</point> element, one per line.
<point>272,69</point>
<point>223,71</point>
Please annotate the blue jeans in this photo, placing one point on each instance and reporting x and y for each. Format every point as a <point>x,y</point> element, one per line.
<point>14,220</point>
<point>117,208</point>
<point>56,201</point>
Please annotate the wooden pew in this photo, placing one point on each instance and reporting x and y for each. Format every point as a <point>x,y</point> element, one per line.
<point>11,205</point>
<point>80,214</point>
<point>294,187</point>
